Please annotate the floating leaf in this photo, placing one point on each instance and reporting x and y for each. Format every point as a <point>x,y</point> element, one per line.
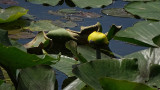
<point>40,39</point>
<point>9,2</point>
<point>147,10</point>
<point>148,61</point>
<point>141,33</point>
<point>72,46</point>
<point>119,12</point>
<point>37,78</point>
<point>49,2</point>
<point>68,11</point>
<point>18,34</point>
<point>75,85</point>
<point>113,84</point>
<point>91,3</point>
<point>11,13</point>
<point>14,58</point>
<point>65,65</point>
<point>68,24</point>
<point>138,0</point>
<point>90,72</point>
<point>4,38</point>
<point>42,25</point>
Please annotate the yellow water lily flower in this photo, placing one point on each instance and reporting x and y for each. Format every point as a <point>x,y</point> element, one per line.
<point>98,38</point>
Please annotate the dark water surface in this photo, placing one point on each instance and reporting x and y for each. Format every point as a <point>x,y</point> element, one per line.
<point>118,47</point>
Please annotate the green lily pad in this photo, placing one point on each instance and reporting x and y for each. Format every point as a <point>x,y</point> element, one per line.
<point>42,25</point>
<point>75,85</point>
<point>138,0</point>
<point>91,3</point>
<point>119,12</point>
<point>49,2</point>
<point>147,10</point>
<point>90,72</point>
<point>65,65</point>
<point>37,78</point>
<point>141,33</point>
<point>148,61</point>
<point>14,58</point>
<point>4,38</point>
<point>11,13</point>
<point>68,24</point>
<point>113,84</point>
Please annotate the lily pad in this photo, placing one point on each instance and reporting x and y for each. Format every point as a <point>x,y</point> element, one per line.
<point>40,40</point>
<point>37,78</point>
<point>9,2</point>
<point>91,3</point>
<point>49,2</point>
<point>42,25</point>
<point>75,85</point>
<point>113,84</point>
<point>21,59</point>
<point>11,13</point>
<point>141,33</point>
<point>65,65</point>
<point>4,38</point>
<point>90,72</point>
<point>68,24</point>
<point>118,12</point>
<point>146,10</point>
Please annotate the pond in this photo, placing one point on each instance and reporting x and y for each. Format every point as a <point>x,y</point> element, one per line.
<point>118,47</point>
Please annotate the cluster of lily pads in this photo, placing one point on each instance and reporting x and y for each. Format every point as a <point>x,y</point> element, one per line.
<point>30,66</point>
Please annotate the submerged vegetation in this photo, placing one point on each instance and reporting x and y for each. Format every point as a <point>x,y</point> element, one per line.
<point>53,47</point>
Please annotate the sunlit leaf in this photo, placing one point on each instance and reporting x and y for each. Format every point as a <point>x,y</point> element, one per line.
<point>37,78</point>
<point>42,25</point>
<point>119,12</point>
<point>141,33</point>
<point>147,10</point>
<point>113,84</point>
<point>75,85</point>
<point>49,2</point>
<point>11,13</point>
<point>91,3</point>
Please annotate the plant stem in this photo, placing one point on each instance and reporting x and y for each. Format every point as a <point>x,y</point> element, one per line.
<point>98,53</point>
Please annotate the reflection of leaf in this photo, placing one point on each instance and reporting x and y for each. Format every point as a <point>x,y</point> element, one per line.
<point>120,12</point>
<point>49,2</point>
<point>91,3</point>
<point>113,84</point>
<point>68,24</point>
<point>141,33</point>
<point>11,13</point>
<point>37,78</point>
<point>42,25</point>
<point>147,10</point>
<point>10,2</point>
